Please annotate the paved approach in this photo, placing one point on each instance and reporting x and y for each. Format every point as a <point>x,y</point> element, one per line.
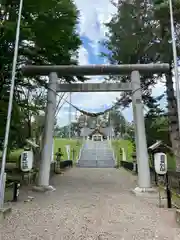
<point>96,155</point>
<point>90,204</point>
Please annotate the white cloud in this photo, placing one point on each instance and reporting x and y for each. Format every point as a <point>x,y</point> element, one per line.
<point>94,101</point>
<point>93,15</point>
<point>159,88</point>
<point>83,56</point>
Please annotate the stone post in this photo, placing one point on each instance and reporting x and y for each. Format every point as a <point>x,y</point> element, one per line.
<point>144,183</point>
<point>44,172</point>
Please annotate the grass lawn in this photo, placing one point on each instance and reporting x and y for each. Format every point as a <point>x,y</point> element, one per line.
<point>174,196</point>
<point>128,147</point>
<point>8,194</point>
<point>171,162</point>
<point>74,144</point>
<point>58,143</point>
<point>14,155</point>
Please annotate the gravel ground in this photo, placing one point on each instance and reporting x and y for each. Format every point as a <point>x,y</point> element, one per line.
<point>91,204</point>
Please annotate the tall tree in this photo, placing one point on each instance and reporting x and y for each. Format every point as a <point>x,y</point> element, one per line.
<point>48,36</point>
<point>161,14</point>
<point>140,33</point>
<point>117,121</point>
<point>157,125</point>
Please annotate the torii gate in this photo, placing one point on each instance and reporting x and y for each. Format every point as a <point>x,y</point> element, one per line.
<point>144,183</point>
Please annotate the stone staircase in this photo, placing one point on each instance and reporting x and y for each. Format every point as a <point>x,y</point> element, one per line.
<point>96,155</point>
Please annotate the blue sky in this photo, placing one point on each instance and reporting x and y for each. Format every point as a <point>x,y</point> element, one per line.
<point>93,15</point>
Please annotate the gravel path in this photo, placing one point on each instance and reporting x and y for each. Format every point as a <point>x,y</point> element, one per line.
<point>89,204</point>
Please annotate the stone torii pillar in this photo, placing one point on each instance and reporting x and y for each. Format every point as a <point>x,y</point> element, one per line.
<point>46,154</point>
<point>144,181</point>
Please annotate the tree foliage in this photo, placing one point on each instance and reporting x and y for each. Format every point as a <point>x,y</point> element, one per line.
<point>157,127</point>
<point>130,40</point>
<point>140,33</point>
<point>47,36</point>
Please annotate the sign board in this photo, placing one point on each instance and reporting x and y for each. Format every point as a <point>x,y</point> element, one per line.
<point>94,87</point>
<point>27,161</point>
<point>68,150</point>
<point>123,155</point>
<point>17,193</point>
<point>134,166</point>
<point>160,163</point>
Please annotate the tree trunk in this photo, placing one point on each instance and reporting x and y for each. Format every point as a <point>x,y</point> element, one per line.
<point>29,128</point>
<point>173,119</point>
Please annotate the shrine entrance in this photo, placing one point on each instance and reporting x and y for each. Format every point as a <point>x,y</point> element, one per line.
<point>97,137</point>
<point>134,86</point>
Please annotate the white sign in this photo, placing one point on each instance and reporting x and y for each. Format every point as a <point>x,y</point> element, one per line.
<point>27,161</point>
<point>160,163</point>
<point>18,186</point>
<point>68,150</point>
<point>123,155</point>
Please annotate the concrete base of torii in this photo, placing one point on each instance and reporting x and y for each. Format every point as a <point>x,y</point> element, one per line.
<point>43,188</point>
<point>145,192</point>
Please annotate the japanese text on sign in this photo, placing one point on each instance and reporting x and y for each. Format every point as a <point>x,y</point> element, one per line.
<point>162,163</point>
<point>24,161</point>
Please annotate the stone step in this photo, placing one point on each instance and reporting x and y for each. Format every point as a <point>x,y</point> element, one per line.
<point>100,158</point>
<point>100,163</point>
<point>96,166</point>
<point>98,152</point>
<point>96,155</point>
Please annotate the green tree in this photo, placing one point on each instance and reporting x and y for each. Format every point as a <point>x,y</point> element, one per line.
<point>140,33</point>
<point>117,121</point>
<point>48,36</point>
<point>157,127</point>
